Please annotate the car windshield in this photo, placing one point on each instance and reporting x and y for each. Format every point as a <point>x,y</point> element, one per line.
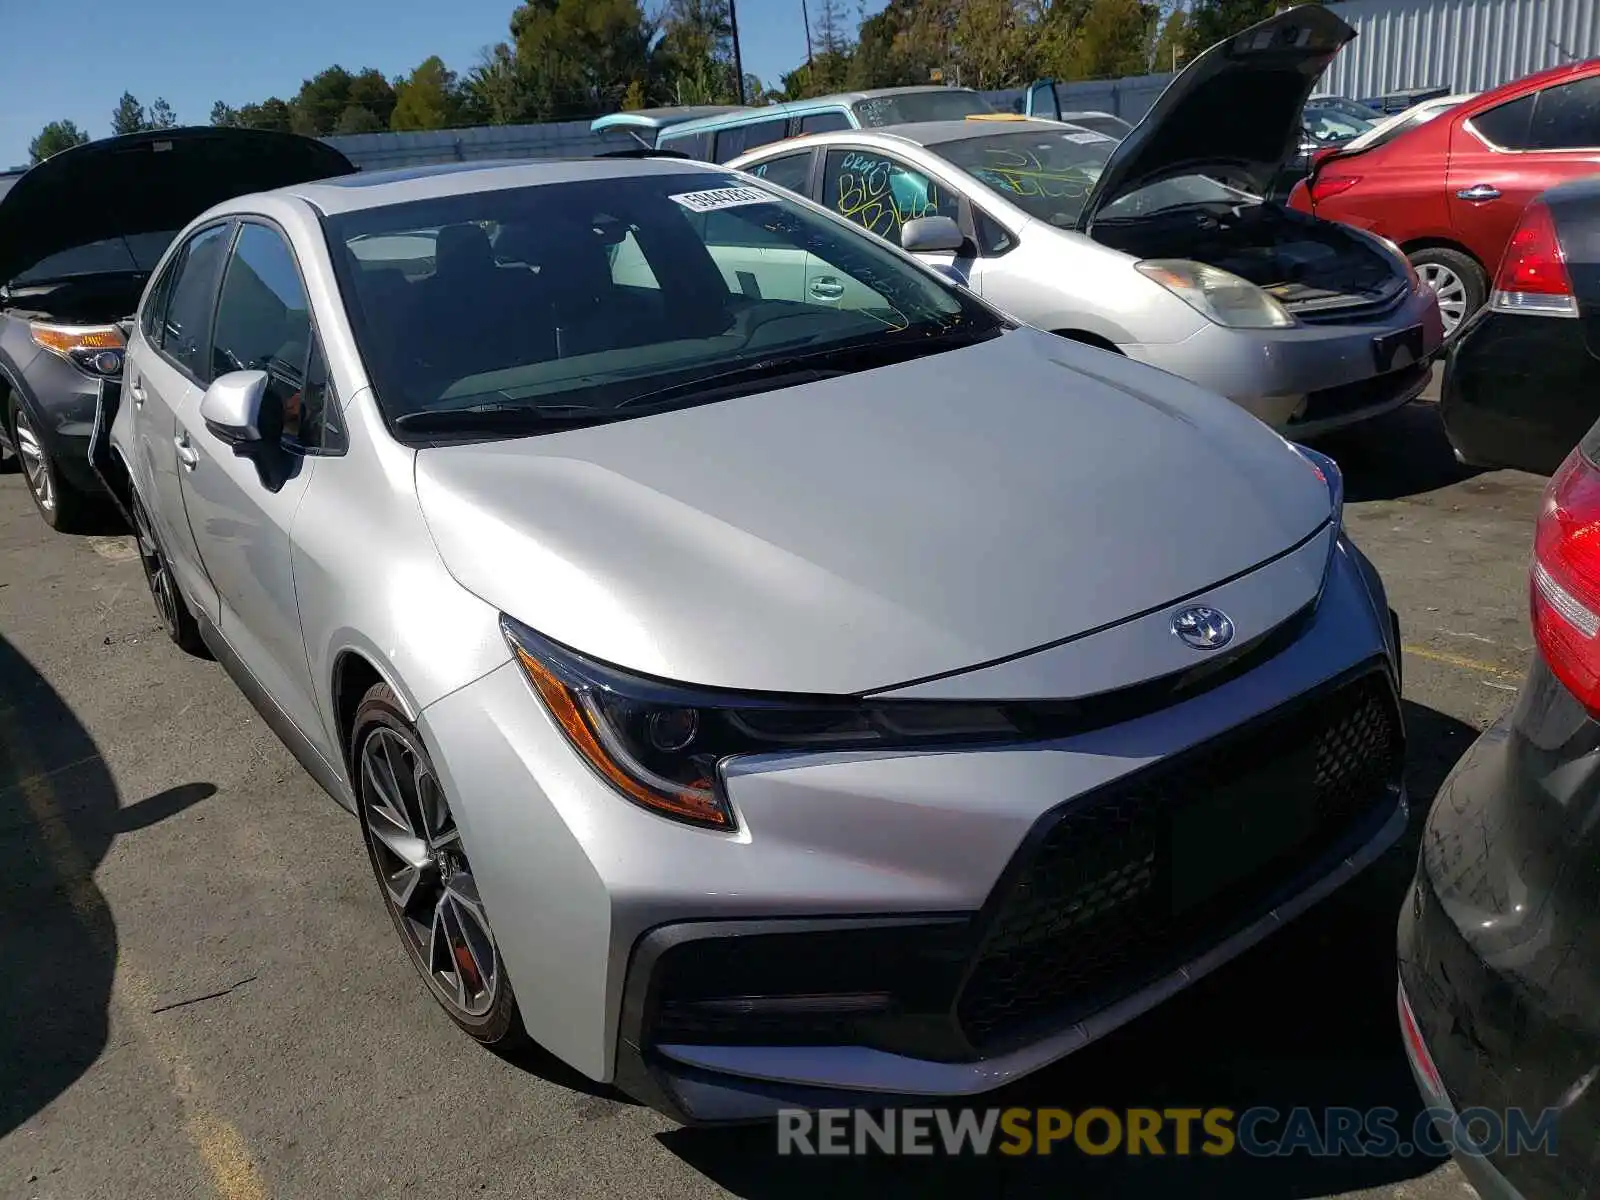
<point>136,253</point>
<point>568,302</point>
<point>1049,175</point>
<point>936,104</point>
<point>1114,127</point>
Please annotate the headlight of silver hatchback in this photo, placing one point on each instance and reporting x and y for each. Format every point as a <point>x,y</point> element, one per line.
<point>1218,295</point>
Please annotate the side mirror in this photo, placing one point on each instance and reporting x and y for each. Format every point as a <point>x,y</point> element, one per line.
<point>932,235</point>
<point>231,407</point>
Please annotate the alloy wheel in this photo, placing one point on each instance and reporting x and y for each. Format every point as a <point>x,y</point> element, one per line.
<point>427,880</point>
<point>1451,291</point>
<point>35,464</point>
<point>156,571</point>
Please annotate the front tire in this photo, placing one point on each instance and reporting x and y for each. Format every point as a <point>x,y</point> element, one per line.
<point>63,507</point>
<point>424,875</point>
<point>1457,281</point>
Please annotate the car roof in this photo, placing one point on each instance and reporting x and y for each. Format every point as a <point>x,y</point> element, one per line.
<point>772,112</point>
<point>380,189</point>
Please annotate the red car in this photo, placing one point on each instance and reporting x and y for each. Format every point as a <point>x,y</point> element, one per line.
<point>1450,191</point>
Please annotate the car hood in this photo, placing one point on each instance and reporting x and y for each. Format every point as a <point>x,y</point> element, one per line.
<point>1236,108</point>
<point>146,183</point>
<point>877,528</point>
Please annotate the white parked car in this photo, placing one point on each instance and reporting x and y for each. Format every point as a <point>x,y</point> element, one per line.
<point>1157,245</point>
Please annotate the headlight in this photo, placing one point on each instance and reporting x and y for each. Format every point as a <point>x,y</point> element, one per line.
<point>662,746</point>
<point>93,349</point>
<point>1219,295</point>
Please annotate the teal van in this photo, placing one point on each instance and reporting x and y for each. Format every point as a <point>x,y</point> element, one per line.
<point>722,136</point>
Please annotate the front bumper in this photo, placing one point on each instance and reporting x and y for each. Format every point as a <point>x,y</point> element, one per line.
<point>703,972</point>
<point>1310,379</point>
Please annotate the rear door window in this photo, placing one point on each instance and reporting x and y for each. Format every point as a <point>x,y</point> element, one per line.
<point>1567,117</point>
<point>1506,125</point>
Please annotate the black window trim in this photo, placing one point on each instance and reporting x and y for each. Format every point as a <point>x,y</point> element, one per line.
<point>289,444</point>
<point>1471,126</point>
<point>231,223</point>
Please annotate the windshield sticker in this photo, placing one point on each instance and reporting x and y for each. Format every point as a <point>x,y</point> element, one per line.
<point>717,198</point>
<point>1087,137</point>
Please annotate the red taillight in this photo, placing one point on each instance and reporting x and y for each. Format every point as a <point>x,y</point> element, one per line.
<point>1418,1049</point>
<point>1564,587</point>
<point>1533,271</point>
<point>1330,183</point>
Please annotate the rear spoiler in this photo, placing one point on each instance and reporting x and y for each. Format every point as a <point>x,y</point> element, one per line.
<point>641,152</point>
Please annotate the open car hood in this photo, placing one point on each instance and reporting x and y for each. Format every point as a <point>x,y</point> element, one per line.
<point>1235,110</point>
<point>146,183</point>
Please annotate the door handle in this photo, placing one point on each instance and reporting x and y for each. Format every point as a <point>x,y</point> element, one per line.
<point>136,392</point>
<point>1479,193</point>
<point>187,454</point>
<point>827,287</point>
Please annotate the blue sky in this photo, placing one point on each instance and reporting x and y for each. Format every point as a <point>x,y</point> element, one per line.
<point>194,52</point>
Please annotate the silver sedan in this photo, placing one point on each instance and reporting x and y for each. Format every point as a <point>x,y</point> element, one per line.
<point>1157,245</point>
<point>762,672</point>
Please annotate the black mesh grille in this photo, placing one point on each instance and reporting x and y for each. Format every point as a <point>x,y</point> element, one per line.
<point>1126,885</point>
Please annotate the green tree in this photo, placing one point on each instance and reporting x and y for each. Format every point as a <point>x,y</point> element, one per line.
<point>579,56</point>
<point>428,98</point>
<point>272,113</point>
<point>321,101</point>
<point>1113,40</point>
<point>162,116</point>
<point>1174,44</point>
<point>498,91</point>
<point>994,45</point>
<point>695,52</point>
<point>356,119</point>
<point>224,114</point>
<point>371,91</point>
<point>54,138</point>
<point>128,116</point>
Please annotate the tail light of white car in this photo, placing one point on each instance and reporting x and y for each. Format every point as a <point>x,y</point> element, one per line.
<point>1533,276</point>
<point>94,349</point>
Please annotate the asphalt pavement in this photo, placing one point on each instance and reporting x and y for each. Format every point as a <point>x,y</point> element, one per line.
<point>201,995</point>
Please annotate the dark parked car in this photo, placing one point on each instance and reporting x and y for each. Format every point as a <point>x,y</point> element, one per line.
<point>1522,381</point>
<point>1397,102</point>
<point>1499,939</point>
<point>78,236</point>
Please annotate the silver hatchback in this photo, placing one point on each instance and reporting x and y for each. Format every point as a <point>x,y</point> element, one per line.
<point>752,691</point>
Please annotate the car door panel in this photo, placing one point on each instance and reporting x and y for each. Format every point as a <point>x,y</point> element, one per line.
<point>242,507</point>
<point>161,374</point>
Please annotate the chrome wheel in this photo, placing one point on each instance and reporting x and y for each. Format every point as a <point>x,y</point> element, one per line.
<point>35,464</point>
<point>1451,291</point>
<point>427,881</point>
<point>156,572</point>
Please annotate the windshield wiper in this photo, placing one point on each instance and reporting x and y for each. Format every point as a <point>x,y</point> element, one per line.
<point>835,360</point>
<point>500,418</point>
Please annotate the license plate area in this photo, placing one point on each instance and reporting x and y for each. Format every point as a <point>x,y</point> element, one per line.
<point>1398,350</point>
<point>1234,833</point>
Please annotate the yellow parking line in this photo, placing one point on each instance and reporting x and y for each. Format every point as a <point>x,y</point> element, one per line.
<point>220,1146</point>
<point>1459,660</point>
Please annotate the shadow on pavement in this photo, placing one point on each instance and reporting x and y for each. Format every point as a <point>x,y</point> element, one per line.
<point>1402,453</point>
<point>59,812</point>
<point>1305,1020</point>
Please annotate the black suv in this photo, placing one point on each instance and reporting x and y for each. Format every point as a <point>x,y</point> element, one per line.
<point>79,235</point>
